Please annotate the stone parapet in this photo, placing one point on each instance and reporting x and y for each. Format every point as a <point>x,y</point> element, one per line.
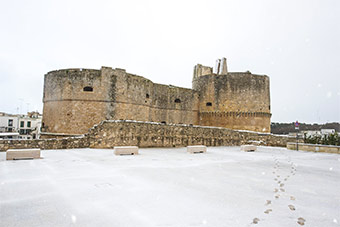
<point>314,147</point>
<point>112,133</point>
<point>45,144</point>
<point>149,134</point>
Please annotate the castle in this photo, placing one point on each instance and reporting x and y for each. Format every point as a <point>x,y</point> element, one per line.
<point>77,99</point>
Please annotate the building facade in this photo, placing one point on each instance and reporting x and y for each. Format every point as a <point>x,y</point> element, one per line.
<point>8,122</point>
<point>30,125</point>
<point>76,99</point>
<point>19,126</point>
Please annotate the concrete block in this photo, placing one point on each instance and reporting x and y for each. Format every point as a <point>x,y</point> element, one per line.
<point>16,154</point>
<point>128,150</point>
<point>197,149</point>
<point>248,148</point>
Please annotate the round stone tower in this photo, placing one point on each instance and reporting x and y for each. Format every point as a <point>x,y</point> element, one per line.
<point>232,100</point>
<point>74,100</point>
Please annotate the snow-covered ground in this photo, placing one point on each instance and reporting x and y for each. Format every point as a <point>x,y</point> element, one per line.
<point>170,187</point>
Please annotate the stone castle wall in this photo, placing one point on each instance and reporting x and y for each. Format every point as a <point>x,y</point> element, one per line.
<point>119,133</point>
<point>69,109</point>
<point>235,101</point>
<point>137,98</point>
<point>116,95</point>
<point>76,99</point>
<point>142,134</point>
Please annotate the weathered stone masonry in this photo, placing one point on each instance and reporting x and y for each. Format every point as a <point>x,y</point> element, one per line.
<point>76,99</point>
<point>113,133</point>
<point>119,133</point>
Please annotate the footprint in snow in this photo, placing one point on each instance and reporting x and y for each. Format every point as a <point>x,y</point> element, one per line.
<point>291,207</point>
<point>301,221</point>
<point>268,211</point>
<point>256,220</point>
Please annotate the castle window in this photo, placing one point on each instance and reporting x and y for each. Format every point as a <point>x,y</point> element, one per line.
<point>147,95</point>
<point>177,101</point>
<point>208,104</point>
<point>88,88</point>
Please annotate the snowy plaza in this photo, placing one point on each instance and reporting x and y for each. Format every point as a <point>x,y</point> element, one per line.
<point>169,187</point>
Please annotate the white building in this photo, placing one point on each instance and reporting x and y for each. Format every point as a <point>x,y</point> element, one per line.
<point>322,132</point>
<point>8,122</point>
<point>27,126</point>
<point>312,133</point>
<point>327,131</point>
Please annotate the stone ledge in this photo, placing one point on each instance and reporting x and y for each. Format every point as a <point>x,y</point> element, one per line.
<point>314,147</point>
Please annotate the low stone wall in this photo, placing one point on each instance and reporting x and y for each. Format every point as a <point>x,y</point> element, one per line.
<point>147,134</point>
<point>45,144</point>
<point>142,134</point>
<point>314,147</point>
<point>47,135</point>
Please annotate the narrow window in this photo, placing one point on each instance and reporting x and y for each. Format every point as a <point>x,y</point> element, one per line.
<point>88,88</point>
<point>147,96</point>
<point>208,104</point>
<point>10,122</point>
<point>177,101</point>
<point>22,124</point>
<point>28,124</point>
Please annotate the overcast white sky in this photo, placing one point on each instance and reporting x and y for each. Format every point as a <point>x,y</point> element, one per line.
<point>295,42</point>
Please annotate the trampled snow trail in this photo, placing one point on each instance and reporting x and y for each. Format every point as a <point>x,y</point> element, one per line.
<point>284,168</point>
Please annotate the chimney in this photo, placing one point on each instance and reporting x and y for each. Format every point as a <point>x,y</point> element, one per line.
<point>224,69</point>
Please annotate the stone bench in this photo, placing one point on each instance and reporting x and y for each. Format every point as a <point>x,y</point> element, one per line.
<point>17,154</point>
<point>197,149</point>
<point>248,148</point>
<point>127,150</point>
